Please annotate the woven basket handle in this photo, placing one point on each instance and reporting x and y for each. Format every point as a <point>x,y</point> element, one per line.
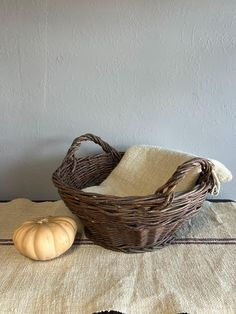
<point>182,170</point>
<point>90,137</point>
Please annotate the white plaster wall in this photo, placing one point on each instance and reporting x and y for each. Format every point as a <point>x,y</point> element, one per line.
<point>154,72</point>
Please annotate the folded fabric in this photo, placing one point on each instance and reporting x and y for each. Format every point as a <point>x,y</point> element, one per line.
<point>143,169</point>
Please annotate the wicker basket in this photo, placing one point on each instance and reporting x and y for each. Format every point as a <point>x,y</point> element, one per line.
<point>128,224</point>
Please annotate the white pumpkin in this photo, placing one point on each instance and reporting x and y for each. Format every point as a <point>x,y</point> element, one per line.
<point>46,237</point>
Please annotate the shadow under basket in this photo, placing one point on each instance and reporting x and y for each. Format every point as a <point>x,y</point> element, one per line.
<point>128,224</point>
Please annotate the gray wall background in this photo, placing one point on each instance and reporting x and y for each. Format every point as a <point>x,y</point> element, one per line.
<point>153,72</point>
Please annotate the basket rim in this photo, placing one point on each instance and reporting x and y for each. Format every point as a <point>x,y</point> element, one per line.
<point>58,182</point>
<point>127,199</point>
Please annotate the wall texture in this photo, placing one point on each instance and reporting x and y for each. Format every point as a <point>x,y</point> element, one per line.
<point>154,72</point>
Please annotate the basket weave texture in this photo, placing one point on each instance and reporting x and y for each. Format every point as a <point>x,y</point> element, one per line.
<point>128,224</point>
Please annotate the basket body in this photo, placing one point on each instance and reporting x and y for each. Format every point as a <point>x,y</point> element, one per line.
<point>128,224</point>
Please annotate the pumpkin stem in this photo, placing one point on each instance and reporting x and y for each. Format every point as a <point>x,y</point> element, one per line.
<point>43,220</point>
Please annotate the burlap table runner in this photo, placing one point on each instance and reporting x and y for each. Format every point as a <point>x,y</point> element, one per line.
<point>196,274</point>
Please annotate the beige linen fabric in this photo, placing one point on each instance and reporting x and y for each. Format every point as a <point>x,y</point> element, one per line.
<point>143,169</point>
<point>191,278</point>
